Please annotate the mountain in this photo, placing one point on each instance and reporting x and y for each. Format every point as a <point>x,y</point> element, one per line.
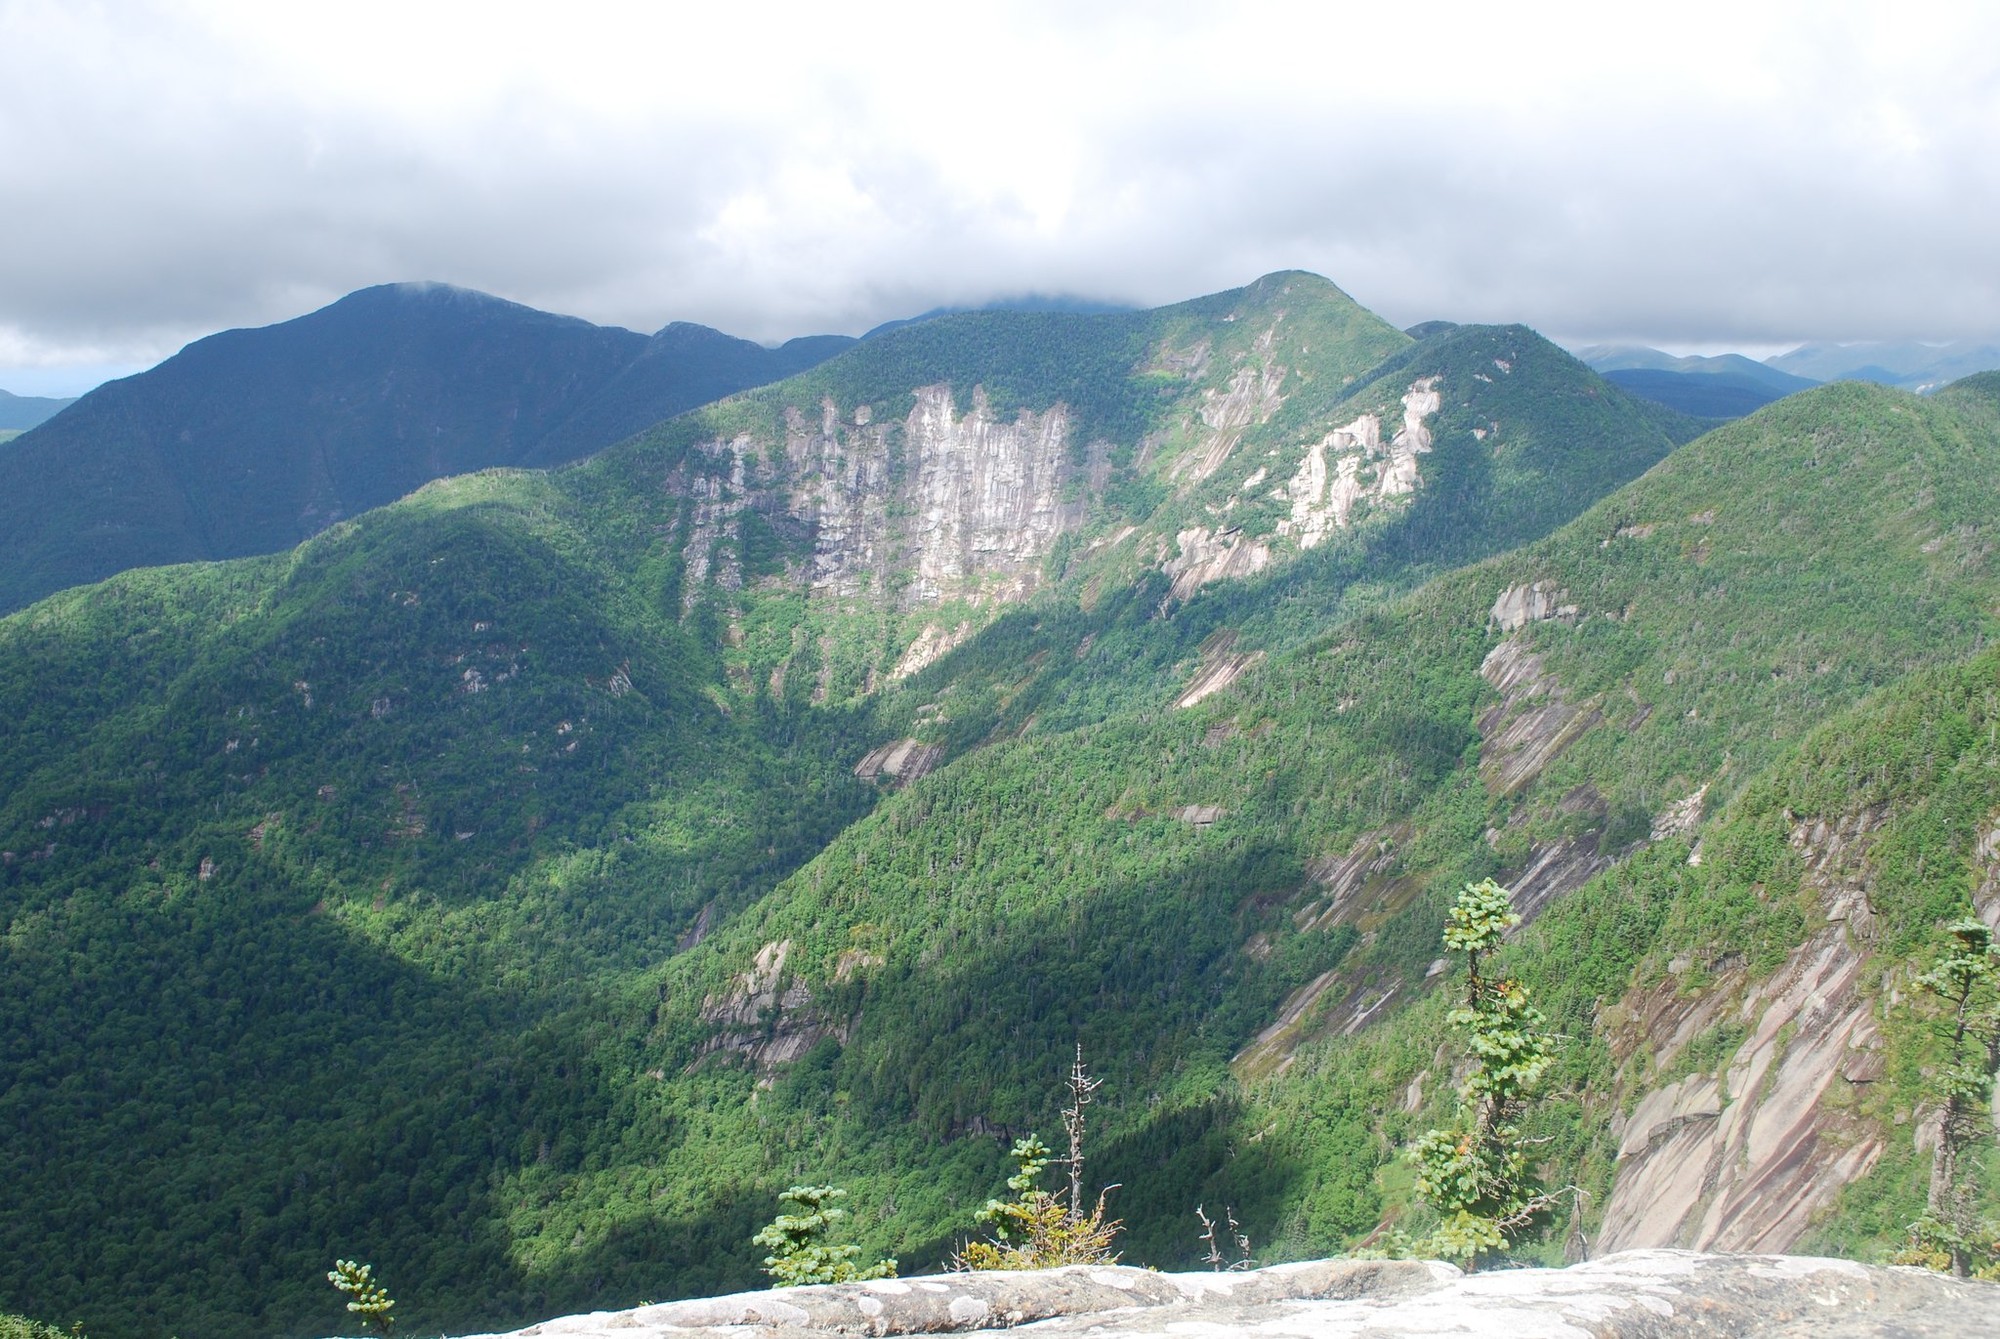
<point>517,885</point>
<point>1234,898</point>
<point>21,412</point>
<point>251,440</point>
<point>383,842</point>
<point>1028,303</point>
<point>1630,357</point>
<point>1701,394</point>
<point>1907,363</point>
<point>1722,386</point>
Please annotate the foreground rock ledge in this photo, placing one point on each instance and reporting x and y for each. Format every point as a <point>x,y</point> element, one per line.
<point>1633,1295</point>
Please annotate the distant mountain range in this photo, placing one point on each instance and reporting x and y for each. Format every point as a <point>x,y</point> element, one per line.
<point>1906,363</point>
<point>1033,302</point>
<point>1730,385</point>
<point>1725,386</point>
<point>21,412</point>
<point>252,440</point>
<point>1629,357</point>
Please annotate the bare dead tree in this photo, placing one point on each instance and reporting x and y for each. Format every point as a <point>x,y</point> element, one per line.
<point>1243,1260</point>
<point>1213,1256</point>
<point>1081,1086</point>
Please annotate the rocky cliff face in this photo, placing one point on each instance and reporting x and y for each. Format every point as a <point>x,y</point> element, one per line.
<point>955,503</point>
<point>986,496</point>
<point>1351,466</point>
<point>765,1014</point>
<point>1744,1154</point>
<point>940,506</point>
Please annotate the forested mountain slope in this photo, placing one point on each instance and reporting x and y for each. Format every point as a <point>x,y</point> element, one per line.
<point>524,881</point>
<point>249,441</point>
<point>1156,883</point>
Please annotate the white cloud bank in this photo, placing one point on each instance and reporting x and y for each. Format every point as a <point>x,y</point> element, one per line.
<point>1725,173</point>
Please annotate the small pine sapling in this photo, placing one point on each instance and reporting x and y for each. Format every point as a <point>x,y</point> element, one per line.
<point>800,1255</point>
<point>1475,1173</point>
<point>1036,1229</point>
<point>1966,982</point>
<point>368,1299</point>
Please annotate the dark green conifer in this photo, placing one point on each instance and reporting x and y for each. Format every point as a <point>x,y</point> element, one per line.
<point>1966,981</point>
<point>800,1255</point>
<point>1475,1172</point>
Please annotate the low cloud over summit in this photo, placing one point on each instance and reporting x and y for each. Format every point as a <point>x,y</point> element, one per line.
<point>1758,177</point>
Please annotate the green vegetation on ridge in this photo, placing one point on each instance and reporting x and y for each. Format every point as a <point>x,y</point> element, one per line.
<point>249,441</point>
<point>448,863</point>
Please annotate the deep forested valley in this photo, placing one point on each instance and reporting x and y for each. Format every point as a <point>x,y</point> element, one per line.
<point>519,884</point>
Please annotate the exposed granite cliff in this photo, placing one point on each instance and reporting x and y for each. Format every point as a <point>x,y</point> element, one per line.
<point>946,505</point>
<point>1744,1154</point>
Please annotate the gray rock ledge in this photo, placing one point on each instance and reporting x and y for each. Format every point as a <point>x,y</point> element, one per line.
<point>1633,1295</point>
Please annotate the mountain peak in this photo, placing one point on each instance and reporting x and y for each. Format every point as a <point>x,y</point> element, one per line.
<point>429,296</point>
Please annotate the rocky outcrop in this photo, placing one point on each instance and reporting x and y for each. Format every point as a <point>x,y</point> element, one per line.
<point>1742,1157</point>
<point>1637,1295</point>
<point>1207,555</point>
<point>765,1015</point>
<point>1986,897</point>
<point>940,506</point>
<point>1536,602</point>
<point>985,496</point>
<point>1681,817</point>
<point>1251,397</point>
<point>1221,665</point>
<point>1351,465</point>
<point>712,554</point>
<point>1216,675</point>
<point>1555,868</point>
<point>1272,1051</point>
<point>1363,884</point>
<point>1532,723</point>
<point>900,761</point>
<point>931,645</point>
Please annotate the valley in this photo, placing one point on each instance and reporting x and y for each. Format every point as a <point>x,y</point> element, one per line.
<point>517,884</point>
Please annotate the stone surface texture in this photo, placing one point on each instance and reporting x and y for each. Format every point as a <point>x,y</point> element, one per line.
<point>964,505</point>
<point>1635,1295</point>
<point>1744,1156</point>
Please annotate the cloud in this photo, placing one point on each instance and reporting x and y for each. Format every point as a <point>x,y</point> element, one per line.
<point>1724,173</point>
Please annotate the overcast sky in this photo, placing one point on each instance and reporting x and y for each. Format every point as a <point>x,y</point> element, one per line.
<point>1731,175</point>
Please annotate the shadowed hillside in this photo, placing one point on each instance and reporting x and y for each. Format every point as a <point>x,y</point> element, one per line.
<point>249,441</point>
<point>782,794</point>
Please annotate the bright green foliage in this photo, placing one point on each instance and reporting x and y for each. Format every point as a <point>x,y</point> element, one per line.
<point>20,1327</point>
<point>497,1055</point>
<point>1037,1229</point>
<point>799,1253</point>
<point>1966,981</point>
<point>1476,1173</point>
<point>370,1300</point>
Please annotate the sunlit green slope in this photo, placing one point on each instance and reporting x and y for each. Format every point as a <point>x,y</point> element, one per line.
<point>1155,883</point>
<point>370,899</point>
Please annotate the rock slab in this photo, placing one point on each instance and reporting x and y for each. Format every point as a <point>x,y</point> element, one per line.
<point>1657,1294</point>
